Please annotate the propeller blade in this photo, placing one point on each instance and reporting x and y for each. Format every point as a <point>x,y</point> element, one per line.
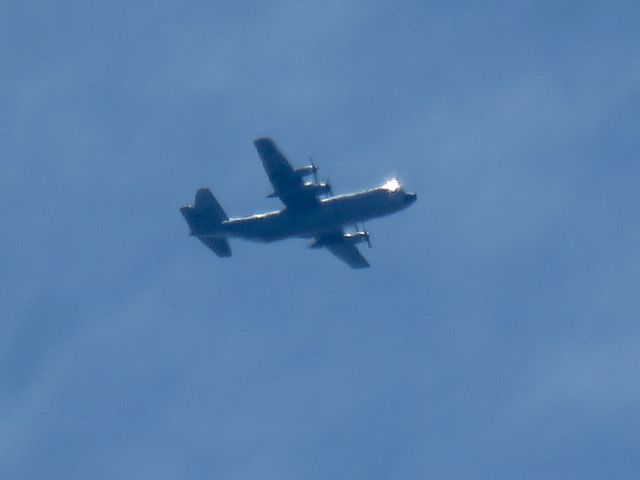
<point>314,170</point>
<point>367,236</point>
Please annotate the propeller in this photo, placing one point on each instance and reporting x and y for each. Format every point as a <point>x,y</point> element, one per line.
<point>329,189</point>
<point>366,234</point>
<point>314,169</point>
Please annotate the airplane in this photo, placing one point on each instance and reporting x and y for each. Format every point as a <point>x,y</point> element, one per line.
<point>311,211</point>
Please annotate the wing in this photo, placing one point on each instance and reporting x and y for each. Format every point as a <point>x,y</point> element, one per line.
<point>345,251</point>
<point>287,184</point>
<point>219,245</point>
<point>349,253</point>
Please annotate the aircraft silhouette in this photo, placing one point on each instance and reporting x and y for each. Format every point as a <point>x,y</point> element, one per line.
<point>306,213</point>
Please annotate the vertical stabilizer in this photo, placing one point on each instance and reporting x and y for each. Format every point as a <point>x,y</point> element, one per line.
<point>206,204</point>
<point>205,216</point>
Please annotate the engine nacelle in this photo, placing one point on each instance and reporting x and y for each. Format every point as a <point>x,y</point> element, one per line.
<point>306,170</point>
<point>315,188</point>
<point>318,188</point>
<point>348,238</point>
<point>356,237</point>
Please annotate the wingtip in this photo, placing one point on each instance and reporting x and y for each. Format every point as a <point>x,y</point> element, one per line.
<point>262,140</point>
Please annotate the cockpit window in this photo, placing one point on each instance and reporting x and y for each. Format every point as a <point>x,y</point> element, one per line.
<point>392,185</point>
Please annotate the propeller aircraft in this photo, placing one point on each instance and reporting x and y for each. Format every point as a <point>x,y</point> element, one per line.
<point>311,211</point>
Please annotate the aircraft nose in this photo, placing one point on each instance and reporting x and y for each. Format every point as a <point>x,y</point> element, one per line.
<point>410,198</point>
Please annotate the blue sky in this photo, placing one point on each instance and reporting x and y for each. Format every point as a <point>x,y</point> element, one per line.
<point>495,335</point>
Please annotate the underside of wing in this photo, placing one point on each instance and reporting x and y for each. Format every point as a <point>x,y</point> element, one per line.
<point>349,254</point>
<point>278,168</point>
<point>287,184</point>
<point>219,245</point>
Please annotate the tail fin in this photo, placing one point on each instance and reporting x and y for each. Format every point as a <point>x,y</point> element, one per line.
<point>205,216</point>
<point>206,203</point>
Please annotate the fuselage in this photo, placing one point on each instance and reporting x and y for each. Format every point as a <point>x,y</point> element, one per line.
<point>327,215</point>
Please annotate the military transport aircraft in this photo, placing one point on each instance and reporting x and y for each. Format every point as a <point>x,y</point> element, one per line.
<point>306,213</point>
